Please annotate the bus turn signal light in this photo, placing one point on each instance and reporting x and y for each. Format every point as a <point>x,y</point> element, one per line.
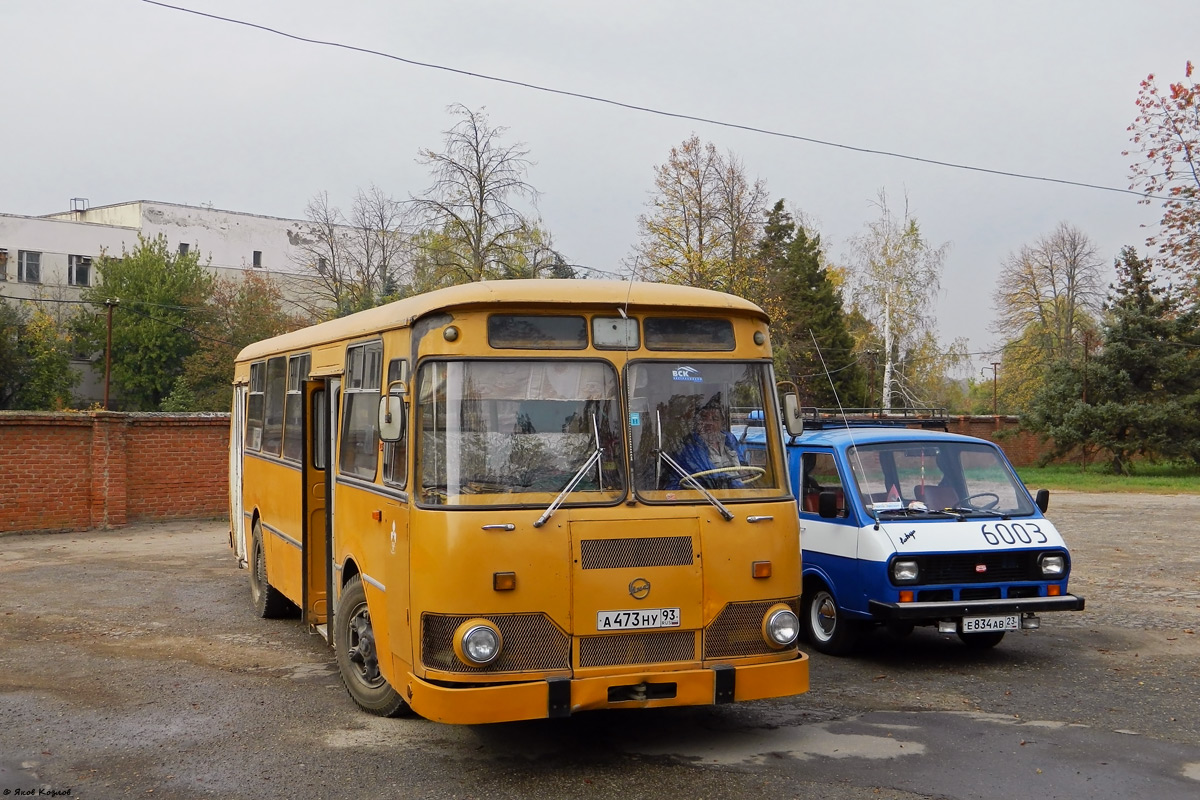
<point>761,569</point>
<point>504,581</point>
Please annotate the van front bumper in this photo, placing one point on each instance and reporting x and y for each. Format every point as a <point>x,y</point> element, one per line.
<point>561,697</point>
<point>969,608</point>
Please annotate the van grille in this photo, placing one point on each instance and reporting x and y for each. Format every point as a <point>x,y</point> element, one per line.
<point>655,551</point>
<point>737,630</point>
<point>636,648</point>
<point>531,643</point>
<point>998,567</point>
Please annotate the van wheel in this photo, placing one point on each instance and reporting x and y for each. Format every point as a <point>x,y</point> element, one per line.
<point>981,641</point>
<point>269,602</point>
<point>828,629</point>
<point>358,659</point>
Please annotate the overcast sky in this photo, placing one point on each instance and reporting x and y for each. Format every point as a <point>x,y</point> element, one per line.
<point>119,100</point>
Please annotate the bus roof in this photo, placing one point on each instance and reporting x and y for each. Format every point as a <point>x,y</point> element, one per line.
<point>551,293</point>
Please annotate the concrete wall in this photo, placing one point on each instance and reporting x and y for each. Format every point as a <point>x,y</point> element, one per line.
<point>102,469</point>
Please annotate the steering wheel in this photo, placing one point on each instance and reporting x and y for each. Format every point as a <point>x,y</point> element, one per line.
<point>751,474</point>
<point>991,504</point>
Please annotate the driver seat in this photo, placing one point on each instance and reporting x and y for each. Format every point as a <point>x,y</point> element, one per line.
<point>936,497</point>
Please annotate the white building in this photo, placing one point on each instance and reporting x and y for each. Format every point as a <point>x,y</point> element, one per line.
<point>51,258</point>
<point>53,255</point>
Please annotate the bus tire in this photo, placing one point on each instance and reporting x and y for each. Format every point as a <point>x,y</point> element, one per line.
<point>981,641</point>
<point>358,659</point>
<point>269,602</point>
<point>827,628</point>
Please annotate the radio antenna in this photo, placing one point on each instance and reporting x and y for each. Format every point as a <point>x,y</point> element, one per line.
<point>845,420</point>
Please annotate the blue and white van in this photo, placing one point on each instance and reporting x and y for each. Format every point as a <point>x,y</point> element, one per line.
<point>904,526</point>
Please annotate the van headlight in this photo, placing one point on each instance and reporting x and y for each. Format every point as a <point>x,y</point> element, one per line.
<point>781,626</point>
<point>1053,566</point>
<point>905,571</point>
<point>477,642</point>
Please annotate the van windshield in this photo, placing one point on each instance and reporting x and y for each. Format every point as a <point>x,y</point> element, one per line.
<point>964,478</point>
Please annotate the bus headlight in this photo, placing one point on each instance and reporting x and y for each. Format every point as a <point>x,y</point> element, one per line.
<point>781,626</point>
<point>1053,565</point>
<point>905,571</point>
<point>477,642</point>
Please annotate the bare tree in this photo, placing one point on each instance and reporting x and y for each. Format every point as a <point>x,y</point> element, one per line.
<point>324,246</point>
<point>378,242</point>
<point>898,275</point>
<point>1047,290</point>
<point>470,205</point>
<point>705,223</point>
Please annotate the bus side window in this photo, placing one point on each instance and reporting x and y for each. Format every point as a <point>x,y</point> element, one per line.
<point>395,454</point>
<point>819,474</point>
<point>358,453</point>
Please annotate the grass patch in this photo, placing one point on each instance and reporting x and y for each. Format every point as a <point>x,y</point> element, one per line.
<point>1147,478</point>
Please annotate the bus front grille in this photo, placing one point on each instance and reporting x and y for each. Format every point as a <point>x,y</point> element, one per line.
<point>532,643</point>
<point>737,630</point>
<point>654,551</point>
<point>616,649</point>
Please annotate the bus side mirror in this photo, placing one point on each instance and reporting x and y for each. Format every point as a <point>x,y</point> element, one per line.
<point>1043,499</point>
<point>792,420</point>
<point>392,413</point>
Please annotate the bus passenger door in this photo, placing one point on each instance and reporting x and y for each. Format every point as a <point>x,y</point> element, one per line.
<point>316,471</point>
<point>237,454</point>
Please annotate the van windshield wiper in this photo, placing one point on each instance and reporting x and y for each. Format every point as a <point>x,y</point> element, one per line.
<point>591,461</point>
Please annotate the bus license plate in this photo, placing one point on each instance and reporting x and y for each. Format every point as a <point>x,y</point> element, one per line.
<point>1005,622</point>
<point>639,619</point>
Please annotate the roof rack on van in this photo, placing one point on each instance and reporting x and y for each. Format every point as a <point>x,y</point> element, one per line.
<point>819,418</point>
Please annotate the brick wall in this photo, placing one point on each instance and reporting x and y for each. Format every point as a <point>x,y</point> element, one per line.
<point>1022,448</point>
<point>75,471</point>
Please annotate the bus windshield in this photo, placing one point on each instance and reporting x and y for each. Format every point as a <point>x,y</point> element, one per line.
<point>493,430</point>
<point>966,479</point>
<point>688,424</point>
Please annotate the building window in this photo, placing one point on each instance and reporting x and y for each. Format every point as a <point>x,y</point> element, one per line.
<point>79,270</point>
<point>258,258</point>
<point>29,266</point>
<point>183,248</point>
<point>3,264</point>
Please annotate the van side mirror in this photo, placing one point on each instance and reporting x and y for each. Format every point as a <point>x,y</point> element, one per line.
<point>1043,499</point>
<point>793,422</point>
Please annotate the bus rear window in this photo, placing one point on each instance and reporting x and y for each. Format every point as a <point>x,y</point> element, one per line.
<point>688,333</point>
<point>527,332</point>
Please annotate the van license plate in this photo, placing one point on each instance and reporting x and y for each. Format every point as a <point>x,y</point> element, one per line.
<point>1005,622</point>
<point>639,619</point>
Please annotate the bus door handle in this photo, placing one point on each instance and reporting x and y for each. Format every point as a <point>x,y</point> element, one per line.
<point>500,526</point>
<point>764,518</point>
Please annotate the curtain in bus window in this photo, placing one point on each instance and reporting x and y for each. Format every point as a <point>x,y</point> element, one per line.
<point>490,427</point>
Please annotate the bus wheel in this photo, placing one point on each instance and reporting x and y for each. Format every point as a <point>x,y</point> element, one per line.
<point>269,602</point>
<point>357,658</point>
<point>828,630</point>
<point>981,641</point>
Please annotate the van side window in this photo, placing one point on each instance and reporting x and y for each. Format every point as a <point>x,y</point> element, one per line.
<point>819,473</point>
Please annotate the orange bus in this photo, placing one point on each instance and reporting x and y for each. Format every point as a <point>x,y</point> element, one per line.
<point>493,499</point>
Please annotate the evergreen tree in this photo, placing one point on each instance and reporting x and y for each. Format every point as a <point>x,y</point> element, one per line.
<point>1140,396</point>
<point>813,346</point>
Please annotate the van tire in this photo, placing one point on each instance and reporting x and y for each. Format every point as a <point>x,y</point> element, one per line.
<point>269,602</point>
<point>357,658</point>
<point>827,628</point>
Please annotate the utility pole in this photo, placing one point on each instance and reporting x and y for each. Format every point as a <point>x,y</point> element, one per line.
<point>995,366</point>
<point>109,304</point>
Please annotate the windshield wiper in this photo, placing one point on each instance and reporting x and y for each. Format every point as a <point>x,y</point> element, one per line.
<point>592,460</point>
<point>684,475</point>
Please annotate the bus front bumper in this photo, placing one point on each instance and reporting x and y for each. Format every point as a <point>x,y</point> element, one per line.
<point>561,697</point>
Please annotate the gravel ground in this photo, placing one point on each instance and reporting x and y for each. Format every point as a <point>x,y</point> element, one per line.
<point>131,666</point>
